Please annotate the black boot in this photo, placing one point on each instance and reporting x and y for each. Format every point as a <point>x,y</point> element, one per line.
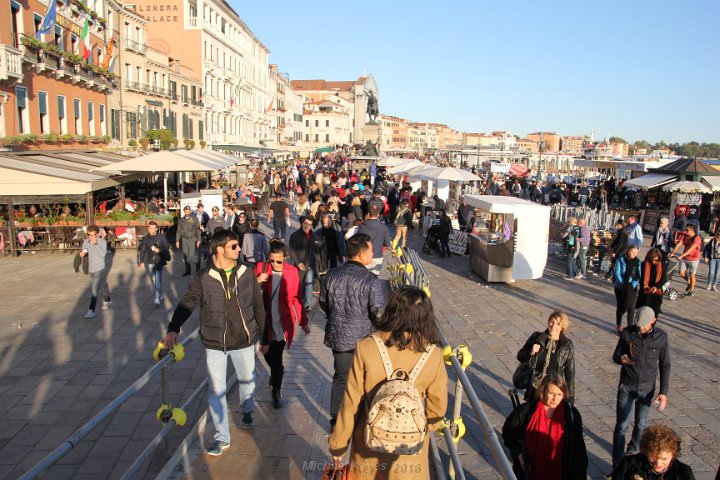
<point>187,269</point>
<point>277,401</point>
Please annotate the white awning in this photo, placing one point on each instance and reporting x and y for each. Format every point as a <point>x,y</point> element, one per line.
<point>712,182</point>
<point>651,180</point>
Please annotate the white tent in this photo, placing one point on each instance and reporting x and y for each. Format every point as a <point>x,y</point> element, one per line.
<point>406,167</point>
<point>446,173</point>
<point>687,186</point>
<point>391,161</point>
<point>166,161</point>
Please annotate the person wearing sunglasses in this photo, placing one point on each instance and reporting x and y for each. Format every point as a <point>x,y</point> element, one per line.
<point>280,284</point>
<point>230,326</point>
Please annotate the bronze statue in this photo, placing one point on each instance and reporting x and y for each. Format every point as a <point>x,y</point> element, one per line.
<point>373,109</point>
<point>370,149</point>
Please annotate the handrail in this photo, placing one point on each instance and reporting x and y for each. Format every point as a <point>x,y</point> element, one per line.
<point>90,425</point>
<point>414,273</point>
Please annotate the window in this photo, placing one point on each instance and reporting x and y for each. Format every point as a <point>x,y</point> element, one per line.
<point>201,129</point>
<point>91,118</point>
<point>62,121</point>
<point>16,23</point>
<point>115,124</point>
<point>327,123</point>
<point>184,126</point>
<point>131,125</point>
<point>58,40</point>
<point>317,123</point>
<point>327,137</point>
<point>43,109</point>
<point>317,138</point>
<point>22,120</point>
<point>74,43</point>
<point>307,123</point>
<point>103,130</point>
<point>37,21</point>
<point>77,116</point>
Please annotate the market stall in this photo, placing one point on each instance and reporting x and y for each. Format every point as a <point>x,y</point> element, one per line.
<point>509,240</point>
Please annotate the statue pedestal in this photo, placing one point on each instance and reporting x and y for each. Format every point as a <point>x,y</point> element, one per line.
<point>370,132</point>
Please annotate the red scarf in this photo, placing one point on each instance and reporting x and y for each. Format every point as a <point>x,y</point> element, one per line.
<point>543,442</point>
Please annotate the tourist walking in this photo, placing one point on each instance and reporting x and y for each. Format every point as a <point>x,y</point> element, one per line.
<point>626,280</point>
<point>96,249</point>
<point>690,258</point>
<point>334,241</point>
<point>662,240</point>
<point>352,298</point>
<point>153,255</point>
<point>572,249</point>
<point>652,279</point>
<point>403,220</point>
<point>618,247</point>
<point>232,320</point>
<point>188,236</point>
<point>711,256</point>
<point>379,237</point>
<point>583,239</point>
<point>279,216</point>
<point>215,222</point>
<point>406,339</point>
<point>280,285</point>
<point>545,435</point>
<point>634,231</point>
<point>444,229</point>
<point>303,255</point>
<point>657,459</point>
<point>552,353</point>
<point>255,246</point>
<point>642,350</point>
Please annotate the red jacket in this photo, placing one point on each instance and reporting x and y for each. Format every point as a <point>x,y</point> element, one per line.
<point>292,312</point>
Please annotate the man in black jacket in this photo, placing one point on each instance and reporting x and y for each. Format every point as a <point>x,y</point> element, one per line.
<point>352,298</point>
<point>153,255</point>
<point>379,237</point>
<point>232,319</point>
<point>641,350</point>
<point>305,248</point>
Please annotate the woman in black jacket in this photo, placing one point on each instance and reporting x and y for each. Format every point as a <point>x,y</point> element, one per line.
<point>659,449</point>
<point>619,246</point>
<point>545,436</point>
<point>652,279</point>
<point>445,230</point>
<point>554,354</point>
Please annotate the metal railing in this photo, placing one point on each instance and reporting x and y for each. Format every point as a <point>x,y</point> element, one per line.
<point>169,416</point>
<point>596,219</point>
<point>135,46</point>
<point>407,269</point>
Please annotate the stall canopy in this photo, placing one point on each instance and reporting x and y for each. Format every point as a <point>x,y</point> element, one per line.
<point>406,167</point>
<point>167,161</point>
<point>651,180</point>
<point>445,173</point>
<point>687,186</point>
<point>391,161</point>
<point>65,174</point>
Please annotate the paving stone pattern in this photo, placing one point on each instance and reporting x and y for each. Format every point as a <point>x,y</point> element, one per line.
<point>58,369</point>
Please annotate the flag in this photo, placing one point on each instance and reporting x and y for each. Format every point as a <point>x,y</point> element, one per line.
<point>270,107</point>
<point>108,54</point>
<point>85,39</point>
<point>48,22</point>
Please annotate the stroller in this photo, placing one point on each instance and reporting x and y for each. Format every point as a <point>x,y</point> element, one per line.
<point>669,292</point>
<point>432,239</point>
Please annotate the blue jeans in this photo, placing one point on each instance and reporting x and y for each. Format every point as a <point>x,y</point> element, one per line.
<point>155,274</point>
<point>626,397</point>
<point>98,285</point>
<point>572,268</point>
<point>714,275</point>
<point>308,286</point>
<point>243,360</point>
<point>582,259</point>
<point>280,229</point>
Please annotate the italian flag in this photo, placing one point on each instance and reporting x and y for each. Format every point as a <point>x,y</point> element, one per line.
<point>85,39</point>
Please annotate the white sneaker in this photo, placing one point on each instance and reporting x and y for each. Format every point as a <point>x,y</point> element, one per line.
<point>157,302</point>
<point>715,288</point>
<point>90,314</point>
<point>709,287</point>
<point>107,305</point>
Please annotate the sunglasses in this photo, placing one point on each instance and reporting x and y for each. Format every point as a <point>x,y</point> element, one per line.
<point>276,262</point>
<point>234,246</point>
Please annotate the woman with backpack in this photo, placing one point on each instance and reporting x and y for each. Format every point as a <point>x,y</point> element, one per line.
<point>406,340</point>
<point>572,248</point>
<point>545,435</point>
<point>627,280</point>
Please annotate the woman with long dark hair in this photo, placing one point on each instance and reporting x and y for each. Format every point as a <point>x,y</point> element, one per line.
<point>545,435</point>
<point>652,279</point>
<point>405,332</point>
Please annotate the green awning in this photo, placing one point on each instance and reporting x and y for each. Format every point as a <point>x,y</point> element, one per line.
<point>155,103</point>
<point>324,150</point>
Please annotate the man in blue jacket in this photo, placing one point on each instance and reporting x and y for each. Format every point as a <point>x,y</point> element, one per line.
<point>352,298</point>
<point>642,350</point>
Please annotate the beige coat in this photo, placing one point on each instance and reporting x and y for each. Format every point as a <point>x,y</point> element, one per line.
<point>366,374</point>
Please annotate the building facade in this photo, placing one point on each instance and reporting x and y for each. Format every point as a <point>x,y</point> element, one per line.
<point>48,86</point>
<point>213,44</point>
<point>288,108</point>
<point>574,145</point>
<point>328,122</point>
<point>547,141</point>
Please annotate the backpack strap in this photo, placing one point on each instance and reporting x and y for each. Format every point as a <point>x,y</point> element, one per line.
<point>384,356</point>
<point>420,364</point>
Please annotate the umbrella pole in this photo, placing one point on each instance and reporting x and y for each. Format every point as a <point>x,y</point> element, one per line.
<point>165,188</point>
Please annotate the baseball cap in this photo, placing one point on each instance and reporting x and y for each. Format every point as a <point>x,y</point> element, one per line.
<point>644,316</point>
<point>356,187</point>
<point>186,207</point>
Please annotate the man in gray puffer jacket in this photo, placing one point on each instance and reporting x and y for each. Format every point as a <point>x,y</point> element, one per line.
<point>352,298</point>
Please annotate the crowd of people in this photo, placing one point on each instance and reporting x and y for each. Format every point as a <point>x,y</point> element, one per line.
<point>258,292</point>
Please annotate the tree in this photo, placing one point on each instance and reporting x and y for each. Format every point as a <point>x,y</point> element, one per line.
<point>617,140</point>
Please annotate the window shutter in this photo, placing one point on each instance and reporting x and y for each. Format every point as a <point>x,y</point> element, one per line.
<point>42,102</point>
<point>76,105</point>
<point>90,111</point>
<point>61,107</point>
<point>21,95</point>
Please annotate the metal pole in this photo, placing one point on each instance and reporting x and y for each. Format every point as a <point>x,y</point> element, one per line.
<point>457,407</point>
<point>437,462</point>
<point>75,438</point>
<point>454,457</point>
<point>162,434</point>
<point>501,461</point>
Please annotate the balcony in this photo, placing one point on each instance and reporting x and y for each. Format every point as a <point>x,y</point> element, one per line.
<point>192,22</point>
<point>135,86</point>
<point>10,63</point>
<point>134,46</point>
<point>158,91</point>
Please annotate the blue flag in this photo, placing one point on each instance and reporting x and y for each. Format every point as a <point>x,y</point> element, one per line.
<point>48,22</point>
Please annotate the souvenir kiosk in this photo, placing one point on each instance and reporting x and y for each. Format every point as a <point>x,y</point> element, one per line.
<point>509,240</point>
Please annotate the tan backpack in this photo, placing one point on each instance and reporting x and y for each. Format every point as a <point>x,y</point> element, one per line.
<point>396,420</point>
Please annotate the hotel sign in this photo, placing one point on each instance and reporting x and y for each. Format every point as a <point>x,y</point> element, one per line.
<point>69,25</point>
<point>159,13</point>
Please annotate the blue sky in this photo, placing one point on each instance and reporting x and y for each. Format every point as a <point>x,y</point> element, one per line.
<point>636,69</point>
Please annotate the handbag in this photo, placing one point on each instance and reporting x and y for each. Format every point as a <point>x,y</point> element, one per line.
<point>523,376</point>
<point>335,472</point>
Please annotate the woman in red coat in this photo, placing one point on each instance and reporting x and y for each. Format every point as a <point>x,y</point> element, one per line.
<point>281,294</point>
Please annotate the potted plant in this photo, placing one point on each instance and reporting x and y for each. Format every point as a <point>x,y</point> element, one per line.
<point>67,138</point>
<point>202,144</point>
<point>144,143</point>
<point>174,142</point>
<point>133,144</point>
<point>81,139</point>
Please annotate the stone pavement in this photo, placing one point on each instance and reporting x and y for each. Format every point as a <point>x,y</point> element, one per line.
<point>57,369</point>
